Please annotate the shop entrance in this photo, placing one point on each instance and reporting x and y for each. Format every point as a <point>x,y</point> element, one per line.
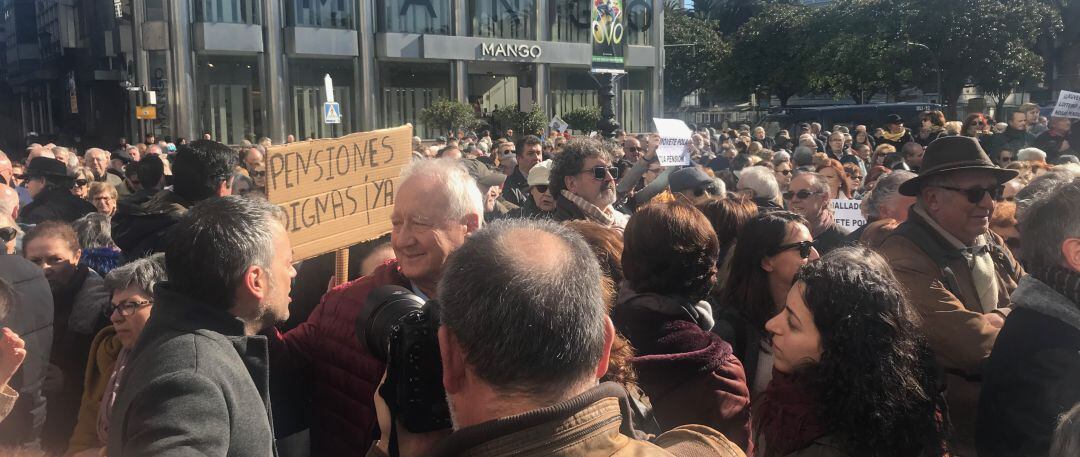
<point>496,85</point>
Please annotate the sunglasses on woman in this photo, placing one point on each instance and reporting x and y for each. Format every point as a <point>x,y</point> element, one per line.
<point>975,194</point>
<point>600,172</point>
<point>802,194</point>
<point>805,248</point>
<point>541,188</point>
<point>8,233</point>
<point>81,182</point>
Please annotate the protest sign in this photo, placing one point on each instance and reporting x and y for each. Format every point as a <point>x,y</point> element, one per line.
<point>674,141</point>
<point>847,215</point>
<point>337,192</point>
<point>1068,105</point>
<point>558,125</point>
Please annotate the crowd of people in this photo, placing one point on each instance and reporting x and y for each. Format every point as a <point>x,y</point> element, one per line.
<point>589,300</point>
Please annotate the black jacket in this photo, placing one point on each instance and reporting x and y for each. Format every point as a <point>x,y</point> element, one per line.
<point>1032,375</point>
<point>139,230</point>
<point>55,205</point>
<point>529,211</point>
<point>516,188</point>
<point>1011,139</point>
<point>32,319</point>
<point>832,238</point>
<point>1050,143</point>
<point>194,385</point>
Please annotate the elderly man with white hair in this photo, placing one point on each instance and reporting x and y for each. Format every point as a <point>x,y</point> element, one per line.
<point>7,176</point>
<point>760,183</point>
<point>1031,155</point>
<point>98,161</point>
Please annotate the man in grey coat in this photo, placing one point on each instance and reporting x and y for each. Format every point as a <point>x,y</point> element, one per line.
<point>197,381</point>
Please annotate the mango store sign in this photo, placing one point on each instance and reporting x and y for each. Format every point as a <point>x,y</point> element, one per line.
<point>847,215</point>
<point>337,192</point>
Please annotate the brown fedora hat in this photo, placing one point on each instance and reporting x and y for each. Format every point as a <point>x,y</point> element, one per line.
<point>954,153</point>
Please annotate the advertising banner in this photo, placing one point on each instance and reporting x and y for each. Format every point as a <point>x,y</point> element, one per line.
<point>608,36</point>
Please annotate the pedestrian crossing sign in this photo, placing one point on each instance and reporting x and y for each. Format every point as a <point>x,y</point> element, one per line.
<point>331,113</point>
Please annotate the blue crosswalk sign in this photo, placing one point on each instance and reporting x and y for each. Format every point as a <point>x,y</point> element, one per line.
<point>331,113</point>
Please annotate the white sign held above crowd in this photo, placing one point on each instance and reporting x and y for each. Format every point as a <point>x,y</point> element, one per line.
<point>674,142</point>
<point>847,214</point>
<point>558,125</point>
<point>1068,105</point>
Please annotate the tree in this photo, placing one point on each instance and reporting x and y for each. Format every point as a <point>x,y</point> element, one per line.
<point>770,53</point>
<point>526,123</point>
<point>693,56</point>
<point>583,118</point>
<point>729,15</point>
<point>449,116</point>
<point>1011,68</point>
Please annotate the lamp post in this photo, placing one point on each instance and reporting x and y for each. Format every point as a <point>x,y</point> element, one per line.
<point>937,67</point>
<point>606,96</point>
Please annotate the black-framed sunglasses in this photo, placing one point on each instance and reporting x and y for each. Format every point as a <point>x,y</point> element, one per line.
<point>600,172</point>
<point>709,189</point>
<point>975,194</point>
<point>81,182</point>
<point>8,233</point>
<point>784,172</point>
<point>543,189</point>
<point>127,308</point>
<point>802,194</point>
<point>805,248</point>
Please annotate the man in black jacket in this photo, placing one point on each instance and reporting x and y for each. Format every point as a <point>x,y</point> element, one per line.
<point>516,188</point>
<point>197,381</point>
<point>1033,373</point>
<point>50,186</point>
<point>32,319</point>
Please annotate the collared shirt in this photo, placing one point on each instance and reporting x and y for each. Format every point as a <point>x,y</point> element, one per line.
<point>979,261</point>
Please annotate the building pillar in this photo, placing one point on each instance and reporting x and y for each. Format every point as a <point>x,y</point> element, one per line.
<point>542,81</point>
<point>367,85</point>
<point>657,30</point>
<point>183,68</point>
<point>275,96</point>
<point>459,72</point>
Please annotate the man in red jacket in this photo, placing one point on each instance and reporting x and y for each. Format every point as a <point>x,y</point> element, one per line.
<point>437,205</point>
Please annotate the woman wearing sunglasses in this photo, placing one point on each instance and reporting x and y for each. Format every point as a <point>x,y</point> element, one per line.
<point>773,246</point>
<point>83,177</point>
<point>850,374</point>
<point>976,126</point>
<point>132,300</point>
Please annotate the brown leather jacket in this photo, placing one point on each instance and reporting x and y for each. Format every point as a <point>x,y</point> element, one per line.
<point>952,317</point>
<point>595,423</point>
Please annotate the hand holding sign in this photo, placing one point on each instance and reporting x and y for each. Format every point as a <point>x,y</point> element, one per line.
<point>674,140</point>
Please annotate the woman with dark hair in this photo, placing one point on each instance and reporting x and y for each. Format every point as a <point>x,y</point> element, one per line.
<point>861,137</point>
<point>772,248</point>
<point>851,376</point>
<point>690,374</point>
<point>932,127</point>
<point>976,125</point>
<point>728,216</point>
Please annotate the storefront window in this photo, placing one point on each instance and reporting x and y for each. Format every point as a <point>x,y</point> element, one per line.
<point>336,14</point>
<point>408,88</point>
<point>639,20</point>
<point>572,88</point>
<point>414,16</point>
<point>230,11</point>
<point>308,95</point>
<point>514,19</point>
<point>229,98</point>
<point>572,23</point>
<point>632,109</point>
<point>159,83</point>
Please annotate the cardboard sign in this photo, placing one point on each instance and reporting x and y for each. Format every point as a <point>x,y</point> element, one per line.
<point>337,192</point>
<point>847,215</point>
<point>674,142</point>
<point>1068,105</point>
<point>558,125</point>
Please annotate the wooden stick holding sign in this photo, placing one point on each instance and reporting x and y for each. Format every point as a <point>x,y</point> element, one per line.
<point>337,192</point>
<point>341,266</point>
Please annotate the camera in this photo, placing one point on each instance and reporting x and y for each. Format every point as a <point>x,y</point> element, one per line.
<point>401,330</point>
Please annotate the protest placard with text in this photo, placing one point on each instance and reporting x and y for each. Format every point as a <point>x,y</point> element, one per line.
<point>674,142</point>
<point>337,192</point>
<point>1068,105</point>
<point>847,214</point>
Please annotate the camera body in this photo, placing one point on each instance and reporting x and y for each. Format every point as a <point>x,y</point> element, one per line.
<point>401,330</point>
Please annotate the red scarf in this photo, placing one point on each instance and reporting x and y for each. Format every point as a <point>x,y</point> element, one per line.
<point>788,417</point>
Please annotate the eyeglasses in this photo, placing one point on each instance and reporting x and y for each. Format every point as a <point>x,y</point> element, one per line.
<point>127,308</point>
<point>805,248</point>
<point>975,194</point>
<point>600,172</point>
<point>8,233</point>
<point>709,189</point>
<point>784,172</point>
<point>1006,159</point>
<point>802,194</point>
<point>81,182</point>
<point>541,188</point>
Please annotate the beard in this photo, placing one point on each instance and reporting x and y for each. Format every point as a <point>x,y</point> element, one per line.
<point>606,197</point>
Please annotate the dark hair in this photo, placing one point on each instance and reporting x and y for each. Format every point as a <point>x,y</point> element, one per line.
<point>874,379</point>
<point>1048,216</point>
<point>550,312</point>
<point>573,157</point>
<point>150,171</point>
<point>529,140</point>
<point>606,243</point>
<point>747,286</point>
<point>199,169</point>
<point>936,118</point>
<point>728,216</point>
<point>670,249</point>
<point>208,251</point>
<point>742,160</point>
<point>53,229</point>
<point>131,169</point>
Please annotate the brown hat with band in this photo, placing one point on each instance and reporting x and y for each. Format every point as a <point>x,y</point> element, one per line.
<point>954,153</point>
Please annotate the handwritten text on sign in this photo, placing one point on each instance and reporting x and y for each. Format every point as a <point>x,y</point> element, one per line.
<point>847,214</point>
<point>1068,105</point>
<point>674,139</point>
<point>337,192</point>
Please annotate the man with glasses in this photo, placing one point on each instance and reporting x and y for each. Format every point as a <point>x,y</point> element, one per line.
<point>541,204</point>
<point>583,184</point>
<point>808,196</point>
<point>50,185</point>
<point>782,172</point>
<point>957,272</point>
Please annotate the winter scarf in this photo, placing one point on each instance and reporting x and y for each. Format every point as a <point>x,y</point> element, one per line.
<point>607,217</point>
<point>789,416</point>
<point>893,136</point>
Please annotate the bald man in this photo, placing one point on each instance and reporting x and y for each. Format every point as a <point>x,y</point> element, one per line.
<point>9,201</point>
<point>7,175</point>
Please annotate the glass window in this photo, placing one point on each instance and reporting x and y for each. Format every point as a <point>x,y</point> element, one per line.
<point>336,14</point>
<point>155,10</point>
<point>572,21</point>
<point>639,20</point>
<point>415,16</point>
<point>307,91</point>
<point>514,19</point>
<point>632,106</point>
<point>409,88</point>
<point>572,88</point>
<point>229,11</point>
<point>229,98</point>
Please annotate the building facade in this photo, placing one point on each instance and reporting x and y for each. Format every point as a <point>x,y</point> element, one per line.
<point>243,69</point>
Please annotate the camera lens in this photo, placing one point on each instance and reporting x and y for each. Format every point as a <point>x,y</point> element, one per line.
<point>383,309</point>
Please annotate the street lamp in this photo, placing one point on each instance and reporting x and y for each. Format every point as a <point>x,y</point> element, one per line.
<point>937,67</point>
